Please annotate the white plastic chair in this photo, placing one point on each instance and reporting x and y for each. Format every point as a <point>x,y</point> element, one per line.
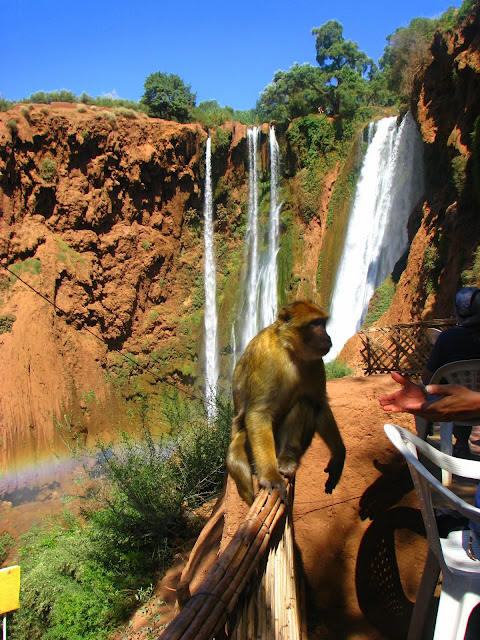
<point>432,335</point>
<point>460,573</point>
<point>467,374</point>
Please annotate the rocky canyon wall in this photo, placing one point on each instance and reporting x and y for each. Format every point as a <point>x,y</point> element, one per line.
<point>102,215</point>
<point>445,227</point>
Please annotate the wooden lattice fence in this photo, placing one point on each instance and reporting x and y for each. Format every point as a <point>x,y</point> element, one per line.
<point>402,347</point>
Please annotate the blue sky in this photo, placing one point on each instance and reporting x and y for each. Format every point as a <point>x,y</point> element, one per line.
<point>226,51</point>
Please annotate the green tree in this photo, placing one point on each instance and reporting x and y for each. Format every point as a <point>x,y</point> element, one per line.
<point>292,94</point>
<point>345,70</point>
<point>167,96</point>
<point>211,114</point>
<point>407,53</point>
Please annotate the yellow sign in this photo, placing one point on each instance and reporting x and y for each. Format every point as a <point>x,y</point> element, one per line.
<point>9,589</point>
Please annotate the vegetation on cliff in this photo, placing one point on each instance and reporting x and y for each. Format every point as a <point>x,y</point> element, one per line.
<point>81,578</point>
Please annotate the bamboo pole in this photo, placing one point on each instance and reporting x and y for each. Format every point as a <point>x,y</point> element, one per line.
<point>207,610</point>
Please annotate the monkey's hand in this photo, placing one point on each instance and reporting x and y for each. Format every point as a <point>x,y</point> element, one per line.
<point>275,483</point>
<point>334,470</point>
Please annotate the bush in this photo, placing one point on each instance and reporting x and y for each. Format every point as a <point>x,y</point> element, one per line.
<point>309,137</point>
<point>48,170</point>
<point>337,369</point>
<point>380,302</point>
<point>150,484</point>
<point>471,277</point>
<point>125,113</point>
<point>79,581</point>
<point>6,322</point>
<point>75,583</point>
<point>6,543</point>
<point>25,111</point>
<point>12,126</point>
<point>5,105</point>
<point>111,119</point>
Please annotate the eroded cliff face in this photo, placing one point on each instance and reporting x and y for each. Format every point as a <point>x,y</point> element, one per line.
<point>445,227</point>
<point>101,215</point>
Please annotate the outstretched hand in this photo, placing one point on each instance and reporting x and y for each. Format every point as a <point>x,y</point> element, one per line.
<point>409,398</point>
<point>454,401</point>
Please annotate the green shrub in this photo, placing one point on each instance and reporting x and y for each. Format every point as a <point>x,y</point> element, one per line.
<point>309,137</point>
<point>75,583</point>
<point>380,302</point>
<point>6,543</point>
<point>459,173</point>
<point>6,322</point>
<point>12,126</point>
<point>48,170</point>
<point>337,369</point>
<point>5,105</point>
<point>80,580</point>
<point>471,277</point>
<point>111,119</point>
<point>25,111</point>
<point>150,483</point>
<point>125,113</point>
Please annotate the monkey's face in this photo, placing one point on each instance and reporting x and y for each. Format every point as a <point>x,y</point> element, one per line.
<point>317,340</point>
<point>304,323</point>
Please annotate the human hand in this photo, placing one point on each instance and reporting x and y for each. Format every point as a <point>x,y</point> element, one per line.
<point>455,401</point>
<point>410,398</point>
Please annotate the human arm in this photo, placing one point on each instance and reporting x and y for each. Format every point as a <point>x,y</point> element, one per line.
<point>455,401</point>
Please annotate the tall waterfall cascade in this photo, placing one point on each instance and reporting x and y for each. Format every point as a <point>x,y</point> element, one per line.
<point>211,341</point>
<point>260,282</point>
<point>250,323</point>
<point>268,278</point>
<point>391,183</point>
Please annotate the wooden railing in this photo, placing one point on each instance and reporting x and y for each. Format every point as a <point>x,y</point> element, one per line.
<point>402,347</point>
<point>252,591</point>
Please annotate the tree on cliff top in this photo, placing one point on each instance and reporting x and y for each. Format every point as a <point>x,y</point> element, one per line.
<point>344,68</point>
<point>407,53</point>
<point>167,96</point>
<point>339,85</point>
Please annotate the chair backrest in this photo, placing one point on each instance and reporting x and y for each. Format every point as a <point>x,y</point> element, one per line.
<point>409,445</point>
<point>432,335</point>
<point>464,372</point>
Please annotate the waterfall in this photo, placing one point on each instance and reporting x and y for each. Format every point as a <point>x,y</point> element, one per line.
<point>390,184</point>
<point>250,325</point>
<point>260,285</point>
<point>269,298</point>
<point>211,347</point>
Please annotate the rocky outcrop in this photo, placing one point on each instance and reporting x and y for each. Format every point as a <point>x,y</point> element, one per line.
<point>445,227</point>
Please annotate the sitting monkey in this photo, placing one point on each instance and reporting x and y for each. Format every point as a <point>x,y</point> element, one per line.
<point>280,401</point>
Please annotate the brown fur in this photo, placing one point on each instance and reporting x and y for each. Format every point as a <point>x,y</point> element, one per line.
<point>280,401</point>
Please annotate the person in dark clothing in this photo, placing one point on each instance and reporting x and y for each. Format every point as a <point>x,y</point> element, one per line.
<point>458,343</point>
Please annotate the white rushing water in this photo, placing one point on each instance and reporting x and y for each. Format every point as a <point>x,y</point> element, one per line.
<point>250,323</point>
<point>261,248</point>
<point>211,345</point>
<point>268,284</point>
<point>390,184</point>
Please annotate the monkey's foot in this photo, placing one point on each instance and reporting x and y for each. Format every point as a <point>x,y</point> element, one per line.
<point>334,470</point>
<point>279,485</point>
<point>287,468</point>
